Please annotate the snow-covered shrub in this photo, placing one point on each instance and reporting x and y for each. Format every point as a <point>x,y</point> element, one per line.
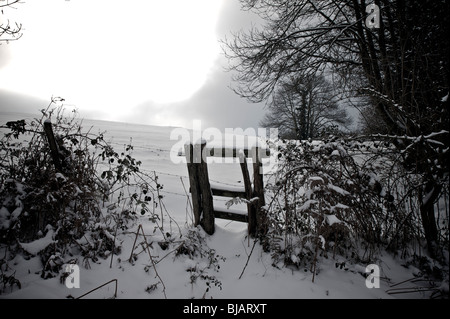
<point>75,210</point>
<point>202,262</point>
<point>341,196</point>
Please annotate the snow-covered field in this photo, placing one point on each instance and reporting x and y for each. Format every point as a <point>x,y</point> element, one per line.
<point>179,277</point>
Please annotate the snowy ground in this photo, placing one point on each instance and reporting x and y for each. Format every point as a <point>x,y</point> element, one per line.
<point>259,280</point>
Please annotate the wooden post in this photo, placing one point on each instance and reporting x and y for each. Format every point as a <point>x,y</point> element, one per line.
<point>193,181</point>
<point>251,209</point>
<point>207,221</point>
<point>258,185</point>
<point>202,200</point>
<point>52,144</point>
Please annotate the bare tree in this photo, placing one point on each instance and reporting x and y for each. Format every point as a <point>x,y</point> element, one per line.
<point>402,65</point>
<point>9,31</point>
<point>304,107</point>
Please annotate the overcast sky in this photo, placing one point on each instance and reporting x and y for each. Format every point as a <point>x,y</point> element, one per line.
<point>146,61</point>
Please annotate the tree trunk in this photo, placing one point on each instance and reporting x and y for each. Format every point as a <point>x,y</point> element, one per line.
<point>427,197</point>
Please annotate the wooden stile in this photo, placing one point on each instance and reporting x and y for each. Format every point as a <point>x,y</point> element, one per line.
<point>202,192</point>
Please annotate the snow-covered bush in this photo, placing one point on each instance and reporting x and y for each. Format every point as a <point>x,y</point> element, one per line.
<point>202,262</point>
<point>75,210</point>
<point>341,196</point>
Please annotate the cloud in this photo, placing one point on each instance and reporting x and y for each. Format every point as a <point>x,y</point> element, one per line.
<point>215,104</point>
<point>5,55</point>
<point>218,106</point>
<point>20,103</point>
<point>119,80</point>
<point>233,19</point>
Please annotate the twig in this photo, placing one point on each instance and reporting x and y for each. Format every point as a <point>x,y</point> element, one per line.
<point>408,290</point>
<point>248,258</point>
<point>114,245</point>
<point>150,255</point>
<point>402,282</point>
<point>134,244</point>
<point>90,291</point>
<point>9,3</point>
<point>154,266</point>
<point>189,200</point>
<point>158,186</point>
<point>174,250</point>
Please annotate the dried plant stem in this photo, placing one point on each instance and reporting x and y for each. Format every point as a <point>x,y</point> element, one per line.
<point>90,291</point>
<point>313,266</point>
<point>149,254</point>
<point>248,258</point>
<point>159,200</point>
<point>114,244</point>
<point>189,201</point>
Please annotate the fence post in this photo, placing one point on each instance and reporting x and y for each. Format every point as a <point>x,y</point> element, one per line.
<point>52,144</point>
<point>251,209</point>
<point>207,221</point>
<point>202,200</point>
<point>258,185</point>
<point>193,181</point>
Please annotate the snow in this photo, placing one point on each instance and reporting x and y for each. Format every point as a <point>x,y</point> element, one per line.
<point>335,153</point>
<point>337,189</point>
<point>40,244</point>
<point>227,187</point>
<point>16,212</point>
<point>4,218</point>
<point>307,205</point>
<point>200,141</point>
<point>332,219</point>
<point>182,274</point>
